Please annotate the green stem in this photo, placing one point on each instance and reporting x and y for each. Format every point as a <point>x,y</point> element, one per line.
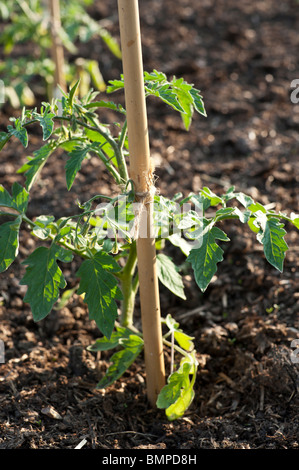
<point>121,162</point>
<point>128,287</point>
<point>122,136</point>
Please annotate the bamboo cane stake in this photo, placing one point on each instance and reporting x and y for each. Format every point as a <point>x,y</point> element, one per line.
<point>141,174</point>
<point>57,49</point>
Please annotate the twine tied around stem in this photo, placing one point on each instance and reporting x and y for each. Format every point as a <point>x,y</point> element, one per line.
<point>143,199</point>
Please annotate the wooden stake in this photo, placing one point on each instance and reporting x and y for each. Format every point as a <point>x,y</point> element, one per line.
<point>57,49</point>
<point>141,174</point>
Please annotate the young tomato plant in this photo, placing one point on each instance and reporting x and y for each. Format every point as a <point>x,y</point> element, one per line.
<point>104,231</point>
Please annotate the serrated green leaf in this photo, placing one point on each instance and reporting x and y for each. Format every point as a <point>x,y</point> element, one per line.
<point>122,360</point>
<point>104,344</point>
<point>169,276</point>
<point>295,219</point>
<point>178,394</point>
<point>4,137</point>
<point>19,197</point>
<point>198,102</point>
<point>101,290</point>
<point>44,279</point>
<point>205,258</point>
<point>46,121</point>
<point>225,211</point>
<point>257,207</point>
<point>177,409</point>
<point>34,165</point>
<point>171,392</point>
<point>18,200</point>
<point>73,165</point>
<point>245,200</point>
<point>184,340</point>
<point>5,197</point>
<point>19,132</point>
<point>73,92</point>
<point>271,237</point>
<point>115,85</point>
<point>42,228</point>
<point>9,242</point>
<point>177,240</point>
<point>168,96</point>
<point>182,91</point>
<point>214,199</point>
<point>105,104</point>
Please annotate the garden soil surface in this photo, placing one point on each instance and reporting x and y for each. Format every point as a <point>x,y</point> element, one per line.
<point>243,56</point>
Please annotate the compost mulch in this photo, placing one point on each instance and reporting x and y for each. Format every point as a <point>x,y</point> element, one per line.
<point>243,55</point>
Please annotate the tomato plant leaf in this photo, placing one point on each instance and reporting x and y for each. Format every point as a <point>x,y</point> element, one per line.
<point>198,101</point>
<point>110,42</point>
<point>73,165</point>
<point>44,278</point>
<point>104,344</point>
<point>169,276</point>
<point>271,237</point>
<point>106,104</point>
<point>205,258</point>
<point>46,121</point>
<point>184,340</point>
<point>214,199</point>
<point>177,395</point>
<point>4,137</point>
<point>18,200</point>
<point>43,225</point>
<point>121,360</point>
<point>34,165</point>
<point>5,197</point>
<point>101,290</point>
<point>9,242</point>
<point>294,219</point>
<point>19,132</point>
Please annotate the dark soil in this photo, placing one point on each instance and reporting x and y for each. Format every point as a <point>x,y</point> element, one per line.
<point>243,55</point>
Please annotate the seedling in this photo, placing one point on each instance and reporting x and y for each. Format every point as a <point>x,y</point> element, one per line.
<point>104,230</point>
<point>103,233</point>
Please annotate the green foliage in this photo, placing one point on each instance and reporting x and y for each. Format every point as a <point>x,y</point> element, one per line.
<point>102,231</point>
<point>169,276</point>
<point>29,22</point>
<point>205,258</point>
<point>101,289</point>
<point>9,242</point>
<point>44,278</point>
<point>176,93</point>
<point>131,347</point>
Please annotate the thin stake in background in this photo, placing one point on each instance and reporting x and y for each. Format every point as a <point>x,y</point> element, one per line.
<point>141,174</point>
<point>57,49</point>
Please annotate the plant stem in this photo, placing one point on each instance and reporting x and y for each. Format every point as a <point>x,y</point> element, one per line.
<point>121,162</point>
<point>128,287</point>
